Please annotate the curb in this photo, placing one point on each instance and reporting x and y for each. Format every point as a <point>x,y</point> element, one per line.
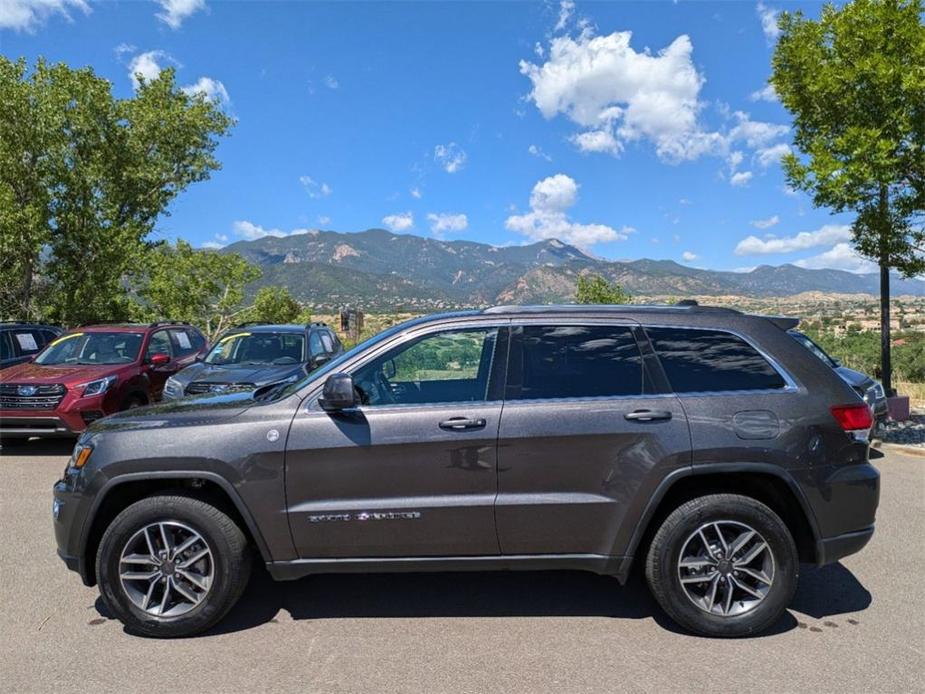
<point>917,451</point>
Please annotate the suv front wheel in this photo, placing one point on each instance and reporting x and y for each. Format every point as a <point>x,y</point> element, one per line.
<point>172,566</point>
<point>723,565</point>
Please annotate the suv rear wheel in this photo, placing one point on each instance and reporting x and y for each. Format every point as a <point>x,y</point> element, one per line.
<point>172,566</point>
<point>723,565</point>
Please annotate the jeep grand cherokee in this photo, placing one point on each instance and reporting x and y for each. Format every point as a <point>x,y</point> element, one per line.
<point>704,444</point>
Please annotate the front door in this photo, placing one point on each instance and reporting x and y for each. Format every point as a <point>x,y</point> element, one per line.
<point>413,470</point>
<point>583,437</point>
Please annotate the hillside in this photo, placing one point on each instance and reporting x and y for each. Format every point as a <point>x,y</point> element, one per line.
<point>379,270</point>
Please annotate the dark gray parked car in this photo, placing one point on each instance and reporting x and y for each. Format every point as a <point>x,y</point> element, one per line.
<point>704,445</point>
<point>870,390</point>
<point>251,355</point>
<point>21,341</point>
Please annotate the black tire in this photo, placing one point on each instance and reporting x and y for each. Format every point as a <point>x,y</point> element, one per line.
<point>232,564</point>
<point>662,570</point>
<point>133,401</point>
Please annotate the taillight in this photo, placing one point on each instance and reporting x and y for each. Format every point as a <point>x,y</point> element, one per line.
<point>853,417</point>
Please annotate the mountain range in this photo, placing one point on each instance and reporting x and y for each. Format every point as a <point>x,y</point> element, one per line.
<point>380,271</point>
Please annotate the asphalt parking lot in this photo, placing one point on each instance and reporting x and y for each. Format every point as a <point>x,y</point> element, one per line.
<point>854,626</point>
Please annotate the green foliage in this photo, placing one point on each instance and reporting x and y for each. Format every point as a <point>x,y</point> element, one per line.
<point>860,350</point>
<point>855,83</point>
<point>205,288</point>
<point>594,289</point>
<point>83,179</point>
<point>275,305</point>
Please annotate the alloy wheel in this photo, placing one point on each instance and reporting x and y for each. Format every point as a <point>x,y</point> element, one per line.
<point>726,568</point>
<point>166,569</point>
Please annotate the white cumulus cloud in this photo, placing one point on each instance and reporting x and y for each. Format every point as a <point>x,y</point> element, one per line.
<point>538,152</point>
<point>827,235</point>
<point>765,223</point>
<point>29,15</point>
<point>399,222</point>
<point>211,89</point>
<point>315,189</point>
<point>689,256</point>
<point>768,17</point>
<point>175,12</point>
<point>603,85</point>
<point>147,65</point>
<point>766,93</point>
<point>597,141</point>
<point>548,219</point>
<point>740,178</point>
<point>840,257</point>
<point>451,157</point>
<point>767,156</point>
<point>416,193</point>
<point>330,81</point>
<point>252,232</point>
<point>566,10</point>
<point>442,222</point>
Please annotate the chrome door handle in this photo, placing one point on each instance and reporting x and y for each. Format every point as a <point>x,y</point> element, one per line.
<point>647,415</point>
<point>461,423</point>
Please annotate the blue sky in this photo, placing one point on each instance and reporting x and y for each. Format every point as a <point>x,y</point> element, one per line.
<point>630,129</point>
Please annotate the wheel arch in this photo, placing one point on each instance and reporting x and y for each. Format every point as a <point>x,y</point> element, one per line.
<point>769,484</point>
<point>121,491</point>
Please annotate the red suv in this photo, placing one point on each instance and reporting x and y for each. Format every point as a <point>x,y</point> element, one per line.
<point>91,372</point>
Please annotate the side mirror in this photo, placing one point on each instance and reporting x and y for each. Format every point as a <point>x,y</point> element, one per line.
<point>321,360</point>
<point>338,393</point>
<point>159,359</point>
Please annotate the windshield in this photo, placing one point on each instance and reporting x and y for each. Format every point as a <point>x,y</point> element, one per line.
<point>334,365</point>
<point>244,348</point>
<point>814,348</point>
<point>94,348</point>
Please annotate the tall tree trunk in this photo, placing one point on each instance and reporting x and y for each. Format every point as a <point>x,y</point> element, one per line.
<point>885,366</point>
<point>886,369</point>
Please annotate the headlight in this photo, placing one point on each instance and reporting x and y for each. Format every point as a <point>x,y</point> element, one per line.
<point>173,388</point>
<point>100,386</point>
<point>80,456</point>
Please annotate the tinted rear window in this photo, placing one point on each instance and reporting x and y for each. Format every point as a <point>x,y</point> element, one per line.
<point>574,361</point>
<point>711,360</point>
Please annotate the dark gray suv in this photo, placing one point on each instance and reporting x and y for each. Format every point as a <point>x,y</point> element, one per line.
<point>705,445</point>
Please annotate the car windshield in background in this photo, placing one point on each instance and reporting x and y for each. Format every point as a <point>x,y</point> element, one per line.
<point>813,347</point>
<point>92,348</point>
<point>244,348</point>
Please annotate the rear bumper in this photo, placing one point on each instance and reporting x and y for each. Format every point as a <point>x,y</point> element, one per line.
<point>831,549</point>
<point>68,513</point>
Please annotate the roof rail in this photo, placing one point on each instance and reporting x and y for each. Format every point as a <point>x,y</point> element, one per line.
<point>157,324</point>
<point>607,308</point>
<point>319,323</point>
<point>112,322</point>
<point>248,322</point>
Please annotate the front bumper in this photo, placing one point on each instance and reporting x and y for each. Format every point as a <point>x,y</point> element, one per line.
<point>68,514</point>
<point>67,419</point>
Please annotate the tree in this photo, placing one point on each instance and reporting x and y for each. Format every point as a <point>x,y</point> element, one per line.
<point>203,287</point>
<point>855,83</point>
<point>594,289</point>
<point>83,179</point>
<point>275,305</point>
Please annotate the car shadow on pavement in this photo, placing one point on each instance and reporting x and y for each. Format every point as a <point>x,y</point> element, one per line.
<point>40,448</point>
<point>822,592</point>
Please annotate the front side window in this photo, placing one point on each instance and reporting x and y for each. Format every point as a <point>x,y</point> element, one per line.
<point>186,342</point>
<point>253,349</point>
<point>574,361</point>
<point>315,346</point>
<point>92,348</point>
<point>697,361</point>
<point>451,366</point>
<point>6,349</point>
<point>158,344</point>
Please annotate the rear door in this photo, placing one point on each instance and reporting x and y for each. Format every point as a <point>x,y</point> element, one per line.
<point>413,470</point>
<point>584,435</point>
